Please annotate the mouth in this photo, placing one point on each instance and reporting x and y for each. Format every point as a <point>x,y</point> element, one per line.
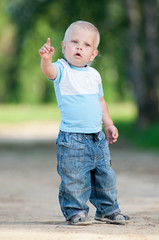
<point>78,55</point>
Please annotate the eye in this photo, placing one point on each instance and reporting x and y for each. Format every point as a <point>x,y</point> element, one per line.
<point>74,41</point>
<point>87,45</point>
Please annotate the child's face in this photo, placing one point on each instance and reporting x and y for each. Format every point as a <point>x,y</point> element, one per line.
<point>79,48</point>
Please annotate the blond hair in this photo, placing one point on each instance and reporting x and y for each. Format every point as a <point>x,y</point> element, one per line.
<point>85,25</point>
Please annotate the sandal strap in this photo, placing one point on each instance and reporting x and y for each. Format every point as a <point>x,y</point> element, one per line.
<point>118,216</point>
<point>80,219</point>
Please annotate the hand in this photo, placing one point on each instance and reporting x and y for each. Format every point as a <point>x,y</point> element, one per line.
<point>112,134</point>
<point>46,51</point>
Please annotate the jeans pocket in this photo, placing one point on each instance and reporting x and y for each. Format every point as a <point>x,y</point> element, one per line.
<point>71,158</point>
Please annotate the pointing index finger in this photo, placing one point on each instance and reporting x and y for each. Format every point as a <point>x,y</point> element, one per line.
<point>48,41</point>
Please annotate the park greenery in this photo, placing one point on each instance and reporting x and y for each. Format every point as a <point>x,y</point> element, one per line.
<point>127,61</point>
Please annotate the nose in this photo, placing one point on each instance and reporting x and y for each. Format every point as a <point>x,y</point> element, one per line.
<point>79,47</point>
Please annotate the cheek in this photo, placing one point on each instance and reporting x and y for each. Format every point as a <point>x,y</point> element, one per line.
<point>70,48</point>
<point>89,56</point>
<point>69,51</point>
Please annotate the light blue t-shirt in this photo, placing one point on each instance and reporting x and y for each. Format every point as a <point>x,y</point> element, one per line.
<point>78,91</point>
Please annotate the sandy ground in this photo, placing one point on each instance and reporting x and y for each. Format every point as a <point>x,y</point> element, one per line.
<point>29,207</point>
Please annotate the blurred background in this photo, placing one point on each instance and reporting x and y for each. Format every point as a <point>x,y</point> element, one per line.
<point>128,62</point>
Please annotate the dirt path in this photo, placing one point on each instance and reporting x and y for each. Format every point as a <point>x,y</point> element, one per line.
<point>29,207</point>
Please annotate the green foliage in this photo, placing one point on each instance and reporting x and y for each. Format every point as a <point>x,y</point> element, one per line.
<point>26,26</point>
<point>31,78</point>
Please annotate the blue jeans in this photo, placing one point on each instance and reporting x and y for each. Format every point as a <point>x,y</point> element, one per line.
<point>84,165</point>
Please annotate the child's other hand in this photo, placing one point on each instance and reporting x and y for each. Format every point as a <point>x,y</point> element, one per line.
<point>112,134</point>
<point>46,51</point>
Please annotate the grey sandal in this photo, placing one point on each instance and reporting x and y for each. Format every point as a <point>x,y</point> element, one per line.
<point>115,218</point>
<point>80,219</point>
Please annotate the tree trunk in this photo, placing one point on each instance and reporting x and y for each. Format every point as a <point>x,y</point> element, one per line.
<point>151,53</point>
<point>135,54</point>
<point>143,72</point>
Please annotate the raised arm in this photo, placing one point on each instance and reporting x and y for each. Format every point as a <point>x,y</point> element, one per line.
<point>110,130</point>
<point>46,52</point>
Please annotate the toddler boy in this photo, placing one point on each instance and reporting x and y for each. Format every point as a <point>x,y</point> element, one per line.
<point>83,157</point>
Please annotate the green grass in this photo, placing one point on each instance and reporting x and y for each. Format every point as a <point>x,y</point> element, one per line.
<point>123,111</point>
<point>26,113</point>
<point>124,116</point>
<point>11,113</point>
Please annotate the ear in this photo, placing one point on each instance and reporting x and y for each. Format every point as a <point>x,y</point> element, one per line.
<point>63,47</point>
<point>94,54</point>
